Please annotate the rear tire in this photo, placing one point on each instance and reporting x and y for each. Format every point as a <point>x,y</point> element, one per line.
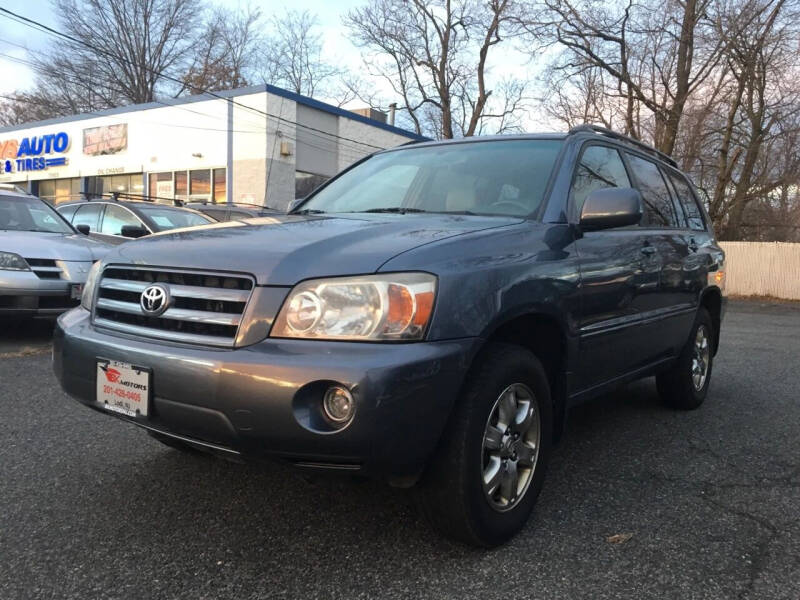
<point>483,482</point>
<point>685,386</point>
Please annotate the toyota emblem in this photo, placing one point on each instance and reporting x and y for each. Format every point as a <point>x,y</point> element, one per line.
<point>154,300</point>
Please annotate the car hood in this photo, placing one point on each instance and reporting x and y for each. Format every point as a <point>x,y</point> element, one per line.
<point>285,249</point>
<point>56,246</point>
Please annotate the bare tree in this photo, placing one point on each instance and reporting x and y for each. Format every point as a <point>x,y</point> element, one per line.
<point>129,44</point>
<point>435,56</point>
<point>225,54</point>
<point>291,55</point>
<point>655,54</point>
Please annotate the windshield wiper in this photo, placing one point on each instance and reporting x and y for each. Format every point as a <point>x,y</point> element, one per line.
<point>394,209</point>
<point>308,211</point>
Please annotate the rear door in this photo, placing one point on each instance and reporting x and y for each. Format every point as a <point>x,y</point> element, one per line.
<point>619,278</point>
<point>697,241</point>
<point>667,318</point>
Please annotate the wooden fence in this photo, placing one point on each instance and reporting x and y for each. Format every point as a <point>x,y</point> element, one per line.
<point>763,269</point>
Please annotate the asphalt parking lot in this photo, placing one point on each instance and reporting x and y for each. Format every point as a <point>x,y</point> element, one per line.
<point>703,504</point>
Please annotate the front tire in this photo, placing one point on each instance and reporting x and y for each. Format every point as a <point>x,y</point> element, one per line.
<point>483,482</point>
<point>685,386</point>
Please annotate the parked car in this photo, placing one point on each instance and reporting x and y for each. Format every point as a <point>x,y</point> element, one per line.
<point>44,262</point>
<point>232,211</point>
<point>429,316</point>
<point>118,221</point>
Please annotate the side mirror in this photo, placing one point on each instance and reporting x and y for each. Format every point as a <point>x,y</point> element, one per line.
<point>611,207</point>
<point>133,231</point>
<point>83,228</point>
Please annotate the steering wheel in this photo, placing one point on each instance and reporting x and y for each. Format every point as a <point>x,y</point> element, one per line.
<point>525,209</point>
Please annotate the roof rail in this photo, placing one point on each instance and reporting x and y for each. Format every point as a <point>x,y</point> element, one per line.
<point>588,128</point>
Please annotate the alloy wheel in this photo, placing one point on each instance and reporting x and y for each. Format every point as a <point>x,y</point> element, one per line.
<point>700,358</point>
<point>510,450</point>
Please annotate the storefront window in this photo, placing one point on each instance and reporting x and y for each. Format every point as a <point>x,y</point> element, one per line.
<point>181,185</point>
<point>219,186</point>
<point>200,183</point>
<point>160,187</point>
<point>56,191</point>
<point>122,184</point>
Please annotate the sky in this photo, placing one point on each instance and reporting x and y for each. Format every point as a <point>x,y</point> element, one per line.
<point>18,42</point>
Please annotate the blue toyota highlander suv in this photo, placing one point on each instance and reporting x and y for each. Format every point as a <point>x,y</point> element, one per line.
<point>428,317</point>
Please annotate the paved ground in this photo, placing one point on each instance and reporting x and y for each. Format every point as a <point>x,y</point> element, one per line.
<point>93,508</point>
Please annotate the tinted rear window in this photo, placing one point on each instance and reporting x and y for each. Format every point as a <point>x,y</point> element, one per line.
<point>659,211</point>
<point>693,214</point>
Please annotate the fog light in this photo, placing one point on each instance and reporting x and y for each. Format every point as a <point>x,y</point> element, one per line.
<point>338,404</point>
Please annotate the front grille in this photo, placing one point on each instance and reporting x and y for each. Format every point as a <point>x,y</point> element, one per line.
<point>45,268</point>
<point>204,308</point>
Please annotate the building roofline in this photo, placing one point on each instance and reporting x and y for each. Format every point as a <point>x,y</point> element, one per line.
<point>253,89</point>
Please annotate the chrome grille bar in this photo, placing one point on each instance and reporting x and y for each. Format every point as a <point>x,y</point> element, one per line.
<point>179,314</point>
<point>189,338</point>
<point>184,291</point>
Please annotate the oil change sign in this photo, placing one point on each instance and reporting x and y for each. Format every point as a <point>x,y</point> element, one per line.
<point>35,153</point>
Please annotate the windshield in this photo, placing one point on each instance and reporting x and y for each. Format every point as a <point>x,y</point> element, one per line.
<point>173,218</point>
<point>505,177</point>
<point>20,213</point>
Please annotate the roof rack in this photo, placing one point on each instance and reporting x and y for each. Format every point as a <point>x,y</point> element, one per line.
<point>588,128</point>
<point>115,197</point>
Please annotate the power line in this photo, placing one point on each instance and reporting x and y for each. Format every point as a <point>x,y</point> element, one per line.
<point>354,154</point>
<point>260,128</point>
<point>41,27</point>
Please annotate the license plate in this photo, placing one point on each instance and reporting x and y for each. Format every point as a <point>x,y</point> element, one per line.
<point>123,388</point>
<point>75,291</point>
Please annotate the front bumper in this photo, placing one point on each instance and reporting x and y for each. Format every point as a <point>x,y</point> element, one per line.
<point>254,401</point>
<point>24,293</point>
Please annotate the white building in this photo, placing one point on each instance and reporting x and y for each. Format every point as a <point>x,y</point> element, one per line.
<point>261,145</point>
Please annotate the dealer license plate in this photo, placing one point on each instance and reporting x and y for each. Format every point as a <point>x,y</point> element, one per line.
<point>75,291</point>
<point>123,388</point>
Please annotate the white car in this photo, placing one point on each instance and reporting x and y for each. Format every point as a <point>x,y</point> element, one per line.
<point>44,261</point>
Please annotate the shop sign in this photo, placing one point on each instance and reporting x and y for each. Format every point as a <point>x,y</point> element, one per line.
<point>31,153</point>
<point>108,139</point>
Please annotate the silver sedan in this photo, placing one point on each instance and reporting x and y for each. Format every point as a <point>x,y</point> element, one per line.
<point>44,261</point>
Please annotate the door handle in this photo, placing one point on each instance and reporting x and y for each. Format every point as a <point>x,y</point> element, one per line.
<point>693,245</point>
<point>648,250</point>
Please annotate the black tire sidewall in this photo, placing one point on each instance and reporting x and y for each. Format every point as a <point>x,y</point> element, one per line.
<point>676,386</point>
<point>494,527</point>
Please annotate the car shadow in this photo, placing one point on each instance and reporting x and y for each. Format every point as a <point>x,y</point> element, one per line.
<point>261,506</point>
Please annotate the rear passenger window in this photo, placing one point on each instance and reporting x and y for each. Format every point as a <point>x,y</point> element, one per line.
<point>599,167</point>
<point>687,200</point>
<point>659,211</point>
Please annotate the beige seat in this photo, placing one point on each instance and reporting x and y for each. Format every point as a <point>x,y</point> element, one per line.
<point>462,196</point>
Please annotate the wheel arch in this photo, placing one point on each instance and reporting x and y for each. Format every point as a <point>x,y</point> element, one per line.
<point>711,300</point>
<point>544,334</point>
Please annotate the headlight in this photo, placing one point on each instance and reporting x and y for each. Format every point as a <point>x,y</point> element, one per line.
<point>88,288</point>
<point>13,262</point>
<point>392,306</point>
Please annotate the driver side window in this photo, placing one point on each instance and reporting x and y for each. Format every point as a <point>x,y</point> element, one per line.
<point>599,167</point>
